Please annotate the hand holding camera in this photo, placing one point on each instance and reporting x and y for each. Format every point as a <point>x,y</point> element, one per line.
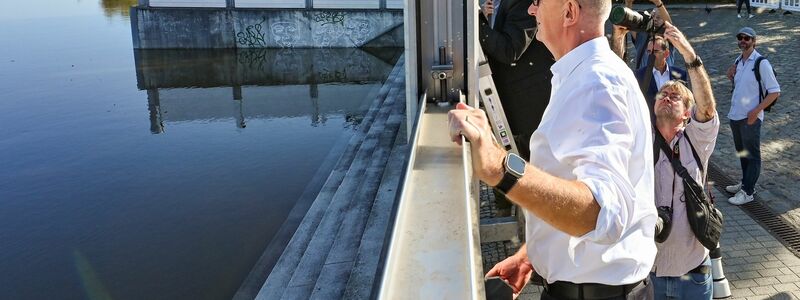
<point>663,224</point>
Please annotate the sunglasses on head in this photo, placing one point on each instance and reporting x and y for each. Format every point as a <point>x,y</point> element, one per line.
<point>743,37</point>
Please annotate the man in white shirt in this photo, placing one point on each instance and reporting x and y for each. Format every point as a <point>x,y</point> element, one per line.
<point>747,112</point>
<point>588,190</point>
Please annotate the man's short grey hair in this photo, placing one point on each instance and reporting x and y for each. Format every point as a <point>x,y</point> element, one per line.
<point>597,8</point>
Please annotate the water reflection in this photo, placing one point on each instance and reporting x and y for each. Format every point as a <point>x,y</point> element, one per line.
<point>117,7</point>
<point>245,84</point>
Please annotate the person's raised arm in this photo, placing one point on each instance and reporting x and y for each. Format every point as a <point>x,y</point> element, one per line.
<point>618,40</point>
<point>662,10</point>
<point>701,85</point>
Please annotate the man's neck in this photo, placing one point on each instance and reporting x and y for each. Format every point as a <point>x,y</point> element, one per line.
<point>669,129</point>
<point>661,68</point>
<point>746,53</point>
<point>575,40</point>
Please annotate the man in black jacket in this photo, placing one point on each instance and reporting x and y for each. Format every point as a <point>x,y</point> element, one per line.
<point>520,69</point>
<point>520,65</point>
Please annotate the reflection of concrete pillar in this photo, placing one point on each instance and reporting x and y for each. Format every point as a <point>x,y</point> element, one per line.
<point>154,106</point>
<point>313,91</point>
<point>237,93</point>
<point>240,122</point>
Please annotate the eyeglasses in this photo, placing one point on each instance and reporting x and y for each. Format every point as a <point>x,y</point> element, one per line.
<point>738,37</point>
<point>672,96</point>
<point>654,51</point>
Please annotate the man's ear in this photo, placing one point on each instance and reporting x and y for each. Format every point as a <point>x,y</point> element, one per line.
<point>572,12</point>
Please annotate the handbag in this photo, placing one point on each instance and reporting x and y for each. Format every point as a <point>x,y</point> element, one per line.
<point>705,219</point>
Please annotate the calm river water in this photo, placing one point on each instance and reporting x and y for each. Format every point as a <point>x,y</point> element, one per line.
<point>155,174</point>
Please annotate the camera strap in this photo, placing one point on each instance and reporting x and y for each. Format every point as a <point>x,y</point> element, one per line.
<point>676,162</point>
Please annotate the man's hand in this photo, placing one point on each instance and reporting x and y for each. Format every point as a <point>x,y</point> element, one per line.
<point>752,116</point>
<point>628,3</point>
<point>656,2</point>
<point>676,37</point>
<point>487,156</point>
<point>516,270</point>
<point>487,9</point>
<point>731,72</point>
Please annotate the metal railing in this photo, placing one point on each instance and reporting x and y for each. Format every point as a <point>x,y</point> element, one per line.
<point>791,5</point>
<point>766,3</point>
<point>323,4</point>
<point>434,247</point>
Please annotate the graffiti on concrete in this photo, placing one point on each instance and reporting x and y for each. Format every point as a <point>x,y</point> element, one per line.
<point>252,35</point>
<point>337,29</point>
<point>332,17</point>
<point>359,30</point>
<point>326,34</point>
<point>285,33</point>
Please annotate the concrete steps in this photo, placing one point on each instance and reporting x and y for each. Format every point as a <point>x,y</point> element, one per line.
<point>325,246</point>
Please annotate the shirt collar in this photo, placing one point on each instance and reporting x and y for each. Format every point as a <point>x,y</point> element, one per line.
<point>656,72</point>
<point>752,56</point>
<point>569,62</point>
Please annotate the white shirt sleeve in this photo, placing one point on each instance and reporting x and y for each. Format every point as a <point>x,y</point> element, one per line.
<point>597,144</point>
<point>768,80</point>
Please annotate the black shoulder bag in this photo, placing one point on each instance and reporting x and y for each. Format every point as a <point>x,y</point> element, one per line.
<point>705,220</point>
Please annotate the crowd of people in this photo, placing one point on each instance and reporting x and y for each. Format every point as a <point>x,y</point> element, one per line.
<point>599,142</point>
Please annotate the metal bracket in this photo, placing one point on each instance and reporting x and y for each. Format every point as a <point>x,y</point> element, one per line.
<point>442,72</point>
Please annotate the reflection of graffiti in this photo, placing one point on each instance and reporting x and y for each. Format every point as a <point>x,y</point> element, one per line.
<point>287,64</point>
<point>359,30</point>
<point>358,68</point>
<point>325,17</point>
<point>254,58</point>
<point>332,68</point>
<point>252,35</point>
<point>285,33</point>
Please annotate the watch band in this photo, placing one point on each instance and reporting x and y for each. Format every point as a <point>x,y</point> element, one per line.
<point>508,181</point>
<point>695,63</point>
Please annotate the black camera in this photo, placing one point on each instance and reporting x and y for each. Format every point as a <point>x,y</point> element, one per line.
<point>633,20</point>
<point>664,223</point>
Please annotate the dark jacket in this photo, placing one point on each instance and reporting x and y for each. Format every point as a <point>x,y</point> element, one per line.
<point>520,66</point>
<point>675,73</point>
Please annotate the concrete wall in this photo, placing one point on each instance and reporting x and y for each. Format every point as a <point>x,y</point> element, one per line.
<point>183,28</point>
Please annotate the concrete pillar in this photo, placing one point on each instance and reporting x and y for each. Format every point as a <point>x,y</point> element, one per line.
<point>144,3</point>
<point>228,3</point>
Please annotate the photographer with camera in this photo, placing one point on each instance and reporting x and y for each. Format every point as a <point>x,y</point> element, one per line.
<point>688,122</point>
<point>651,22</point>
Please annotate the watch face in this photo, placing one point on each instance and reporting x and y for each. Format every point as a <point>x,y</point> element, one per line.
<point>515,164</point>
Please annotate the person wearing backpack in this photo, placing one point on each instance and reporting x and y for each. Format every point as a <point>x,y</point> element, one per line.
<point>755,89</point>
<point>686,130</point>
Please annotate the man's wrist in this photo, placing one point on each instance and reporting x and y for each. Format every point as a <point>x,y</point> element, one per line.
<point>660,4</point>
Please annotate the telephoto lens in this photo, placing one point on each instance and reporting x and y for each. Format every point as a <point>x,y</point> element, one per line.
<point>633,20</point>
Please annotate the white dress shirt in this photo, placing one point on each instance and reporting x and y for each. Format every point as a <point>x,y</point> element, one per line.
<point>745,92</point>
<point>596,129</point>
<point>682,252</point>
<point>661,78</point>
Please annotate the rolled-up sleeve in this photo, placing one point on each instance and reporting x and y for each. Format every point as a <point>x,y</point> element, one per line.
<point>598,145</point>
